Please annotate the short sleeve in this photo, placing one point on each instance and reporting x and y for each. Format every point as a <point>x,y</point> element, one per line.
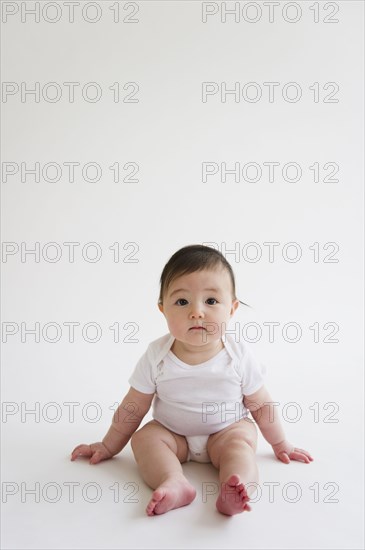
<point>142,377</point>
<point>253,372</point>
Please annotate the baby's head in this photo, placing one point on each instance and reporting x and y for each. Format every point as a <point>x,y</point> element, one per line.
<point>193,258</point>
<point>197,294</point>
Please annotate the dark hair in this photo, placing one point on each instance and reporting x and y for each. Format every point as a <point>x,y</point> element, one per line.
<point>189,259</point>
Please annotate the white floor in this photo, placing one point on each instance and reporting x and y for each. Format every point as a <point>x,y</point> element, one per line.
<point>107,510</point>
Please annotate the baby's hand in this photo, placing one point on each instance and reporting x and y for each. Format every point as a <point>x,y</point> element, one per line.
<point>97,452</point>
<point>285,452</point>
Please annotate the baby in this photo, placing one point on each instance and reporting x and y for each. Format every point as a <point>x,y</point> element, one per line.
<point>203,385</point>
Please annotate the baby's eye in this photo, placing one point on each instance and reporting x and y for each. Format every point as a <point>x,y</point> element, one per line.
<point>181,300</point>
<point>209,300</point>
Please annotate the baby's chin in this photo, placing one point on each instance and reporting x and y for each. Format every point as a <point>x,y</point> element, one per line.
<point>200,338</point>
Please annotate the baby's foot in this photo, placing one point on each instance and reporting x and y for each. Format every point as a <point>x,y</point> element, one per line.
<point>172,493</point>
<point>233,498</point>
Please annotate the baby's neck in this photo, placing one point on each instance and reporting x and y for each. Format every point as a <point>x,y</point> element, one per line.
<point>195,356</point>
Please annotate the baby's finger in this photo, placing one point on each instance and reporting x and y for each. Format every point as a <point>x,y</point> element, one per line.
<point>96,457</point>
<point>308,455</point>
<point>74,454</point>
<point>81,450</point>
<point>304,452</point>
<point>310,458</point>
<point>283,456</point>
<point>296,455</point>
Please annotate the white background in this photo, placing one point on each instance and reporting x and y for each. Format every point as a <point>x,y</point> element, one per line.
<point>169,52</point>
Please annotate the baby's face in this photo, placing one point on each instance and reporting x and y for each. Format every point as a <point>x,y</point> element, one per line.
<point>202,298</point>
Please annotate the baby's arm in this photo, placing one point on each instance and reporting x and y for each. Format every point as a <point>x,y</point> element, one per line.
<point>261,407</point>
<point>126,420</point>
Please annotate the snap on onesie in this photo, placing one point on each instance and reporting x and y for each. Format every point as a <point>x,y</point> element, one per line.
<point>198,400</point>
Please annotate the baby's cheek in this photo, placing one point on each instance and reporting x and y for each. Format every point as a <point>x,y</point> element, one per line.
<point>173,327</point>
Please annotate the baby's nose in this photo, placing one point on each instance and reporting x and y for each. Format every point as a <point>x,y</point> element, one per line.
<point>196,311</point>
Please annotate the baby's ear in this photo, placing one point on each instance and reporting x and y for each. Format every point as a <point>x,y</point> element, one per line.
<point>235,305</point>
<point>160,307</point>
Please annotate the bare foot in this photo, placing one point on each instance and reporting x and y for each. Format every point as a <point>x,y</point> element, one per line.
<point>172,493</point>
<point>233,498</point>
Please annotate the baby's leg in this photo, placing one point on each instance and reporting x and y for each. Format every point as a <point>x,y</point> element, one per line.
<point>232,451</point>
<point>159,453</point>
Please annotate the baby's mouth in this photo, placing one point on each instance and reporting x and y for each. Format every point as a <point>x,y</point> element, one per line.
<point>197,328</point>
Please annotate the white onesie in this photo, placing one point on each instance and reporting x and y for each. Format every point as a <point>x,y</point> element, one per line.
<point>201,399</point>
